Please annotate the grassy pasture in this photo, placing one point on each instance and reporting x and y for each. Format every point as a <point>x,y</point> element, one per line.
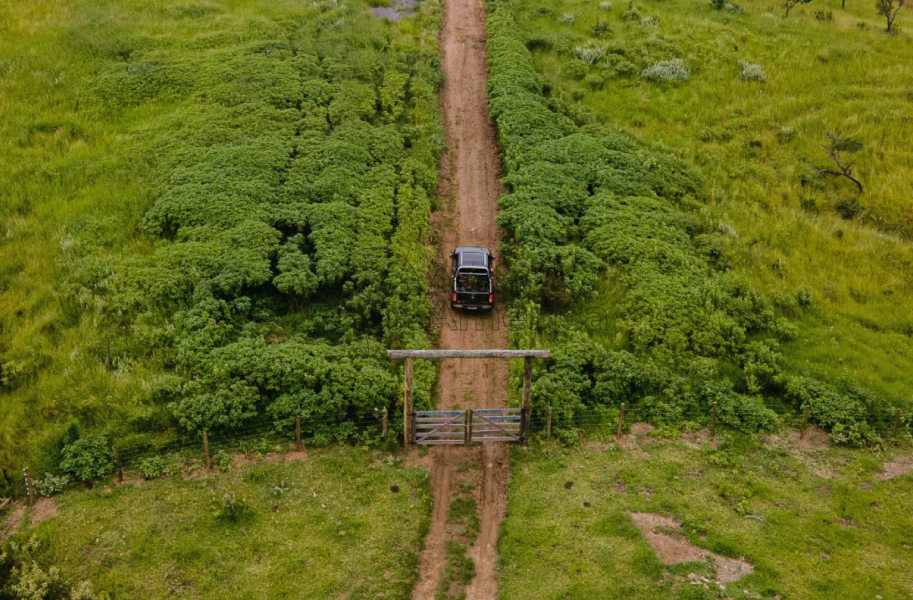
<point>757,147</point>
<point>327,527</point>
<point>843,538</point>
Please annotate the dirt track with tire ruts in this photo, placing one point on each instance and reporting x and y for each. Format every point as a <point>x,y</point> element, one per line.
<point>470,187</point>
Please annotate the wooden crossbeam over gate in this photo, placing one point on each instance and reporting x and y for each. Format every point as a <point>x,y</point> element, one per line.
<point>409,355</point>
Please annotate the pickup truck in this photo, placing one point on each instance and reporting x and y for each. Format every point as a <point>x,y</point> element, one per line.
<point>471,268</point>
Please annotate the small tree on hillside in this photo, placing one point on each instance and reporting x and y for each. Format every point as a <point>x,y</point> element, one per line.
<point>889,9</point>
<point>838,145</point>
<point>791,4</point>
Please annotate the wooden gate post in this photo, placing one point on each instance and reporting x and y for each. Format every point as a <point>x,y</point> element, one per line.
<point>407,403</point>
<point>383,422</point>
<point>548,423</point>
<point>896,423</point>
<point>29,488</point>
<point>621,419</point>
<point>527,395</point>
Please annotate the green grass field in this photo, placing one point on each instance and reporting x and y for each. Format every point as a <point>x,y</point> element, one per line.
<point>327,527</point>
<point>757,148</point>
<point>847,537</point>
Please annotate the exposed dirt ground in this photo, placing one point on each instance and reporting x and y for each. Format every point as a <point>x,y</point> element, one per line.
<point>671,546</point>
<point>470,188</point>
<point>10,525</point>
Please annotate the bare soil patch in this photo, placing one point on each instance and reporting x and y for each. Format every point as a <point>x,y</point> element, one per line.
<point>895,468</point>
<point>12,521</point>
<point>636,436</point>
<point>808,449</point>
<point>296,455</point>
<point>44,508</point>
<point>700,438</point>
<point>672,547</point>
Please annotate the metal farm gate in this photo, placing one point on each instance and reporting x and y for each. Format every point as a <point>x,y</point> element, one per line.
<point>428,427</point>
<point>439,427</point>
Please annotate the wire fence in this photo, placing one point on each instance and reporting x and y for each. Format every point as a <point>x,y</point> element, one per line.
<point>207,450</point>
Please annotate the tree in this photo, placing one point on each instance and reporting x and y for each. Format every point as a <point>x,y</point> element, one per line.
<point>791,4</point>
<point>837,146</point>
<point>889,9</point>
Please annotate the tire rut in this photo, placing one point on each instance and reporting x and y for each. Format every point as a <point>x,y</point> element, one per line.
<point>470,189</point>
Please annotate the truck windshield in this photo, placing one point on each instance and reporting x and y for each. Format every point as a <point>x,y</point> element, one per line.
<point>471,282</point>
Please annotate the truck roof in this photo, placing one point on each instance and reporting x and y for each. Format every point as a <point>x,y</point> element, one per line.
<point>472,256</point>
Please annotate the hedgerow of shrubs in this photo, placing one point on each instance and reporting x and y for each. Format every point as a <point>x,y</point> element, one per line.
<point>291,191</point>
<point>584,202</point>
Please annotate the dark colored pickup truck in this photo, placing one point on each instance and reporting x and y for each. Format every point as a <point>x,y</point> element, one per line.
<point>472,284</point>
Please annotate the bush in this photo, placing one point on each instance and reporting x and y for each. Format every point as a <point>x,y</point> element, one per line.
<point>577,69</point>
<point>605,6</point>
<point>594,81</point>
<point>804,296</point>
<point>786,134</point>
<point>590,53</point>
<point>223,460</point>
<point>51,484</point>
<point>624,68</point>
<point>88,458</point>
<point>25,579</point>
<point>567,18</point>
<point>752,72</point>
<point>230,507</point>
<point>666,70</point>
<point>152,467</point>
<point>632,14</point>
<point>649,22</point>
<point>824,15</point>
<point>735,9</point>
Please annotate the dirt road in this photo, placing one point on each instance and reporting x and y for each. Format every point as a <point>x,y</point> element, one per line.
<point>470,189</point>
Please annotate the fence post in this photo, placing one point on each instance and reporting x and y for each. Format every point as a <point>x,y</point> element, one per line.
<point>383,421</point>
<point>713,422</point>
<point>621,419</point>
<point>804,422</point>
<point>298,433</point>
<point>548,423</point>
<point>206,451</point>
<point>896,423</point>
<point>527,396</point>
<point>120,466</point>
<point>407,403</point>
<point>29,490</point>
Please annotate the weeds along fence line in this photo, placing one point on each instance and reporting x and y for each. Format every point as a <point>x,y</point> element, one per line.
<point>197,451</point>
<point>207,451</point>
<point>552,422</point>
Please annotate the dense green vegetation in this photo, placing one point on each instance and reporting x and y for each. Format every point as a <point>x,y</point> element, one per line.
<point>806,537</point>
<point>345,523</point>
<point>207,211</point>
<point>675,248</point>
